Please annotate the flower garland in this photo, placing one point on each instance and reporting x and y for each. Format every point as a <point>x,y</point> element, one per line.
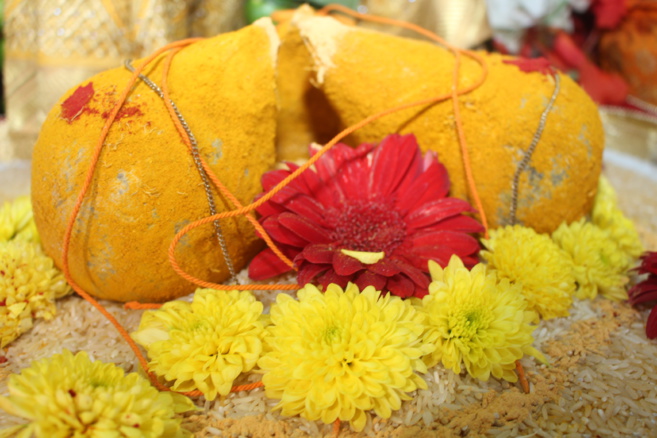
<point>342,353</point>
<point>67,395</point>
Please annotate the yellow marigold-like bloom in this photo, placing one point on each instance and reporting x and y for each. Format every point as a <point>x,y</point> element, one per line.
<point>71,396</point>
<point>205,344</point>
<point>29,285</point>
<point>17,221</point>
<point>340,354</point>
<point>477,320</point>
<point>542,269</point>
<point>600,266</point>
<point>607,215</point>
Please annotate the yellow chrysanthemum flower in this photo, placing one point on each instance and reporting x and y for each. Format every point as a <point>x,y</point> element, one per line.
<point>206,344</point>
<point>476,320</point>
<point>607,215</point>
<point>340,354</point>
<point>533,261</point>
<point>71,396</point>
<point>29,285</point>
<point>17,221</point>
<point>600,266</point>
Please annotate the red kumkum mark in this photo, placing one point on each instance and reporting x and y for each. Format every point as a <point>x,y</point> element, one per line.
<point>532,65</point>
<point>76,102</point>
<point>128,111</point>
<point>3,359</point>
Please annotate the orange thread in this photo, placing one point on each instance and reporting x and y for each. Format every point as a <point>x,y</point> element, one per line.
<point>336,428</point>
<point>247,387</point>
<point>136,305</point>
<point>522,377</point>
<point>78,204</point>
<point>237,388</point>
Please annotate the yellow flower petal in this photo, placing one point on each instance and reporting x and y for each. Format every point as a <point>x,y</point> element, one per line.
<point>600,266</point>
<point>29,285</point>
<point>68,395</point>
<point>204,344</point>
<point>368,258</point>
<point>535,263</point>
<point>476,320</point>
<point>342,353</point>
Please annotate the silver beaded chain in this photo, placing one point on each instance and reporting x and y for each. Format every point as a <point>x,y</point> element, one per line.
<point>528,155</point>
<point>199,166</point>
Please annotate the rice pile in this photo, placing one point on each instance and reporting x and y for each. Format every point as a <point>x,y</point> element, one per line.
<point>602,378</point>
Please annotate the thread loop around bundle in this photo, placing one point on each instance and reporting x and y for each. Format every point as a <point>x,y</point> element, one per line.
<point>247,210</point>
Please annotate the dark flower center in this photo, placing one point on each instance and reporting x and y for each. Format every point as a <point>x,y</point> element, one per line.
<point>369,226</point>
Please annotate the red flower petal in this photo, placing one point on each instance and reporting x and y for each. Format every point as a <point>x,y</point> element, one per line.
<point>308,272</point>
<point>345,265</point>
<point>331,277</point>
<point>309,208</point>
<point>270,209</point>
<point>281,234</point>
<point>608,13</point>
<point>460,242</point>
<point>304,228</point>
<point>266,265</point>
<point>354,174</point>
<point>317,254</point>
<point>437,253</point>
<point>418,277</point>
<point>271,179</point>
<point>651,324</point>
<point>643,292</point>
<point>436,211</point>
<point>396,157</point>
<point>385,267</point>
<point>648,263</point>
<point>432,185</point>
<point>531,65</point>
<point>369,278</point>
<point>461,224</point>
<point>400,286</point>
<point>330,166</point>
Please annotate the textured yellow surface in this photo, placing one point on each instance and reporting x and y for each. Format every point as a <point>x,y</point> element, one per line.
<point>363,73</point>
<point>304,114</point>
<point>146,186</point>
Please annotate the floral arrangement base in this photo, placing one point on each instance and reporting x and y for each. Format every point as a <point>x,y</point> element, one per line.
<point>602,378</point>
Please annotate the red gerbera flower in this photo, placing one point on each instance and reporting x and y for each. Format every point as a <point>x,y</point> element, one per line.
<point>646,290</point>
<point>386,199</point>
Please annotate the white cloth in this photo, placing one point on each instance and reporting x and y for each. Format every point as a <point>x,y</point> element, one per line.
<point>510,18</point>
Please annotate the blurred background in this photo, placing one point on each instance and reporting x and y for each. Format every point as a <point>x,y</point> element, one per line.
<point>608,46</point>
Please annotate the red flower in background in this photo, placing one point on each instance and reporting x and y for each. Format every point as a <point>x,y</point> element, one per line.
<point>646,290</point>
<point>386,199</point>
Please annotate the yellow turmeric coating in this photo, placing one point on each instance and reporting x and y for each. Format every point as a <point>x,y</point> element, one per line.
<point>304,114</point>
<point>363,72</point>
<point>146,187</point>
